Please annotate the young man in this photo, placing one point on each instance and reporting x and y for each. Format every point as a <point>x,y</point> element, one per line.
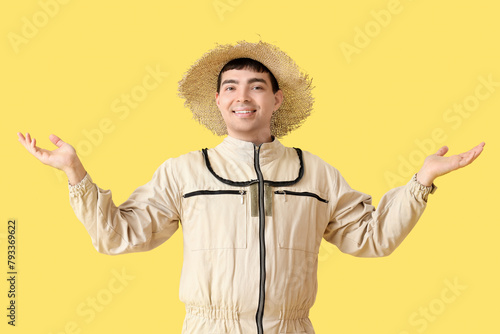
<point>253,211</point>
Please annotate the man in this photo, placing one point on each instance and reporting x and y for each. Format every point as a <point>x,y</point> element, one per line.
<point>252,210</point>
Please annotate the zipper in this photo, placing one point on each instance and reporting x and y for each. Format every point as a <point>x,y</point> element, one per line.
<point>302,193</point>
<point>216,192</point>
<point>262,243</point>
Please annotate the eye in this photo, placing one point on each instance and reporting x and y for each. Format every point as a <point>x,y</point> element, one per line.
<point>257,87</point>
<point>229,88</point>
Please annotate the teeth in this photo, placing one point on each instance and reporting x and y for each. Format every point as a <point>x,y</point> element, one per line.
<point>243,111</point>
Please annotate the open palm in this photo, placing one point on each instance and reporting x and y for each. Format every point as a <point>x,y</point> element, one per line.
<point>437,164</point>
<point>63,157</point>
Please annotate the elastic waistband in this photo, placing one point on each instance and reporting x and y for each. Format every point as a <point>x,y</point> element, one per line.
<point>294,314</point>
<point>213,312</point>
<point>231,313</point>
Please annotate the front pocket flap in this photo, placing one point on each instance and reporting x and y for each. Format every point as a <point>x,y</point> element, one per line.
<point>215,219</point>
<point>300,218</point>
<point>300,193</point>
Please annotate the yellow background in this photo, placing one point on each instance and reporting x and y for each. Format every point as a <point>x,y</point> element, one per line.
<point>370,109</point>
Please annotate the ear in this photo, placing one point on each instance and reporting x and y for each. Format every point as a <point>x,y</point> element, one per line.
<point>278,99</point>
<point>217,98</point>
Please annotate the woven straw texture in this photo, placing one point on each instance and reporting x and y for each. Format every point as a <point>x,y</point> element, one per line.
<point>199,84</point>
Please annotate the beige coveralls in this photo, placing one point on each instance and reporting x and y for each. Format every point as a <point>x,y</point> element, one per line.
<point>252,221</point>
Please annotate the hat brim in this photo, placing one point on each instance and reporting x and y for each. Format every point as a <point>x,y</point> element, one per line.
<point>199,84</point>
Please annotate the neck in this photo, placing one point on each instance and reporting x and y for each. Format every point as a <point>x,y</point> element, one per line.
<point>256,140</point>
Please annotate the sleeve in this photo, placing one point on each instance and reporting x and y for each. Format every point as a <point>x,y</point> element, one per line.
<point>149,217</point>
<point>357,228</point>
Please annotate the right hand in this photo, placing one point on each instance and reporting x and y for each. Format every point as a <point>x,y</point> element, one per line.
<point>64,157</point>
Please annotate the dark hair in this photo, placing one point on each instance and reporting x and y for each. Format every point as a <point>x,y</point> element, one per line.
<point>247,63</point>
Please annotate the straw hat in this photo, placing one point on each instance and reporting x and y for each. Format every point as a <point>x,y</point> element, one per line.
<point>199,84</point>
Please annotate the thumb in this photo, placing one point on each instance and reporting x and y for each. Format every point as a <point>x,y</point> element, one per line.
<point>56,140</point>
<point>442,151</point>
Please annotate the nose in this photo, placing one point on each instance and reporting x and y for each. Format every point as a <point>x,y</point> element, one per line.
<point>243,95</point>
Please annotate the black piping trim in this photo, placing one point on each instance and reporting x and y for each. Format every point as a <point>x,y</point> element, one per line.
<point>247,183</point>
<point>214,192</point>
<point>303,193</point>
<point>226,181</point>
<point>289,183</point>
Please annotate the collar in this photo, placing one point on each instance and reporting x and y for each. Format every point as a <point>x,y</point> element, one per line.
<point>244,150</point>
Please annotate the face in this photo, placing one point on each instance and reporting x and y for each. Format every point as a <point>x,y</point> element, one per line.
<point>247,102</point>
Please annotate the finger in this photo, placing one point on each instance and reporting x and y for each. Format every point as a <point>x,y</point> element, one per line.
<point>36,151</point>
<point>474,150</point>
<point>29,144</point>
<point>479,146</point>
<point>477,152</point>
<point>56,140</point>
<point>480,149</point>
<point>442,151</point>
<point>32,147</point>
<point>22,140</point>
<point>470,156</point>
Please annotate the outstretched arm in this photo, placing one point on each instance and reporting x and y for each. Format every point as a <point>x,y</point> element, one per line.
<point>437,164</point>
<point>359,229</point>
<point>64,157</point>
<point>144,221</point>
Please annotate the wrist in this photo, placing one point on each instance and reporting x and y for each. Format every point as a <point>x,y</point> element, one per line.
<point>75,173</point>
<point>424,179</point>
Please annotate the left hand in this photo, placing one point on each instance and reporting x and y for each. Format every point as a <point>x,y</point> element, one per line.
<point>437,164</point>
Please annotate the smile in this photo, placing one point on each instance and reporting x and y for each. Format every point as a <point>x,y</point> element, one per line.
<point>243,111</point>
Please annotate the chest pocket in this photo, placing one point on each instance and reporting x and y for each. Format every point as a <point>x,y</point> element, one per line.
<point>300,218</point>
<point>215,219</point>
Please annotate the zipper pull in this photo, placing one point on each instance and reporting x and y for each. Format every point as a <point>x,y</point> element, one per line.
<point>242,192</point>
<point>284,195</point>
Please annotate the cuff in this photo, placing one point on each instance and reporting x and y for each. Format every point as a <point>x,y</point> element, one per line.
<point>81,187</point>
<point>419,190</point>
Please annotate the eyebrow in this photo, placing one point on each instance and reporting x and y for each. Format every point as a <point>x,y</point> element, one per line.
<point>228,81</point>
